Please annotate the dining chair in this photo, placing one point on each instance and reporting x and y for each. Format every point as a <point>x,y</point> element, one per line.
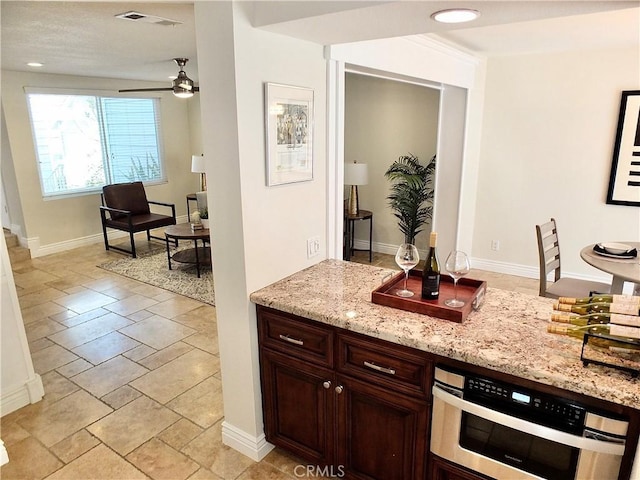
<point>549,254</point>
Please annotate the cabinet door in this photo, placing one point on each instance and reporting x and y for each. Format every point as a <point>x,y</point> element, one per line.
<point>381,434</point>
<point>298,400</point>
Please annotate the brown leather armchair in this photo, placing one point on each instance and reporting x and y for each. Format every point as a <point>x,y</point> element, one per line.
<point>125,207</point>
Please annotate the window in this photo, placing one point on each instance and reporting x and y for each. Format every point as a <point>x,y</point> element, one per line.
<point>85,141</point>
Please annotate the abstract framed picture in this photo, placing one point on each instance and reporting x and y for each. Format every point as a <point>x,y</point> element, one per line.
<point>624,181</point>
<point>289,134</point>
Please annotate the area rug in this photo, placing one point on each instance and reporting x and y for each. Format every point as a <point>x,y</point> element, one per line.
<point>154,270</point>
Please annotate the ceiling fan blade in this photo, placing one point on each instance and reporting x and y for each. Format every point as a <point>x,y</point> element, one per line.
<point>196,89</point>
<point>146,90</point>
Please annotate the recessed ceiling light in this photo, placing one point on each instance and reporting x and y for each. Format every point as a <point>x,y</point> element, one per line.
<point>35,64</point>
<point>455,15</point>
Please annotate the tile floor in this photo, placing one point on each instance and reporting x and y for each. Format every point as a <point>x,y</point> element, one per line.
<point>132,379</point>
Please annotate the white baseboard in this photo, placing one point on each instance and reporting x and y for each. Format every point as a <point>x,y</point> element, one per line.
<point>37,250</point>
<point>31,392</point>
<point>256,448</point>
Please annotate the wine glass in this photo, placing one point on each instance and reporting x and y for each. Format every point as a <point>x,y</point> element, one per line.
<point>457,265</point>
<point>407,257</point>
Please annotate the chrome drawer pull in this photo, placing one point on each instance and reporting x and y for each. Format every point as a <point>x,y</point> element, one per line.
<point>378,368</point>
<point>295,341</point>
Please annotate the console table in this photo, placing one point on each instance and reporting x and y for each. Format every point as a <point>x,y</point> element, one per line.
<point>349,224</point>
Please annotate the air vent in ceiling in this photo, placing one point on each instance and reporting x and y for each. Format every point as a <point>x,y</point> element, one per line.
<point>141,17</point>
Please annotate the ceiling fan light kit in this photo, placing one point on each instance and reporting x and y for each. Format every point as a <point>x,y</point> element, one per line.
<point>182,86</point>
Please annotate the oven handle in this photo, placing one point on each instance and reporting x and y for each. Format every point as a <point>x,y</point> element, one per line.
<point>528,427</point>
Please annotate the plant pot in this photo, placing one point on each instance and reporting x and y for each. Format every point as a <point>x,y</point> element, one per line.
<point>205,222</point>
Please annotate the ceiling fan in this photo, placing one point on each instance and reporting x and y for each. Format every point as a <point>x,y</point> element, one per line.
<point>182,86</point>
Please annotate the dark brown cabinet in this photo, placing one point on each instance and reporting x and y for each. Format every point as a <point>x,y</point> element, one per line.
<point>443,470</point>
<point>365,413</point>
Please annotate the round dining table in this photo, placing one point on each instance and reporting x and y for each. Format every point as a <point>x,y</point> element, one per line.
<point>622,269</point>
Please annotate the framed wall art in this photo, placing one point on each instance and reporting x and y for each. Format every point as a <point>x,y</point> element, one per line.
<point>289,134</point>
<point>624,181</point>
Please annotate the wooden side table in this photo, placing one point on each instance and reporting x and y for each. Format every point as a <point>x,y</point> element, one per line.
<point>199,256</point>
<point>349,221</point>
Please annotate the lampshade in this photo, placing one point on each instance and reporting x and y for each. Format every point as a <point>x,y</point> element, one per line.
<point>356,174</point>
<point>197,164</point>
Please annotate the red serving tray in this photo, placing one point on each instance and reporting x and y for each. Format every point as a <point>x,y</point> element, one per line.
<point>469,290</point>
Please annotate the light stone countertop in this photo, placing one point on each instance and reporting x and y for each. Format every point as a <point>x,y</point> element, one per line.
<point>507,334</point>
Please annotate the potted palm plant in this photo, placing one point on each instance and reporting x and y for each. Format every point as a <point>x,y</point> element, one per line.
<point>412,193</point>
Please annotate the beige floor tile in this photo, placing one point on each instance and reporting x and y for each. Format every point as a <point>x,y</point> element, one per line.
<point>132,425</point>
<point>99,463</point>
<point>176,377</point>
<point>204,474</point>
<point>40,344</point>
<point>90,330</point>
<point>29,460</point>
<point>71,319</point>
<point>161,462</point>
<point>109,376</point>
<point>42,328</point>
<point>103,348</point>
<point>209,451</point>
<point>74,368</point>
<point>85,301</point>
<point>121,397</point>
<point>65,417</point>
<point>41,296</point>
<point>204,341</point>
<point>33,278</point>
<point>157,332</point>
<point>165,355</point>
<point>75,445</point>
<point>264,471</point>
<point>131,304</point>
<point>140,315</point>
<point>56,386</point>
<point>202,319</point>
<point>51,358</point>
<point>179,434</point>
<point>175,306</point>
<point>201,404</point>
<point>42,311</point>
<point>12,432</point>
<point>140,352</point>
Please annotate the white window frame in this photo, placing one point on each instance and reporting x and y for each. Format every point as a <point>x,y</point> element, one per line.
<point>104,94</point>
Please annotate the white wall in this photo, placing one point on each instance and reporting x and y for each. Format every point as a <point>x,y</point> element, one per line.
<point>385,119</point>
<point>42,230</point>
<point>261,231</point>
<point>546,147</point>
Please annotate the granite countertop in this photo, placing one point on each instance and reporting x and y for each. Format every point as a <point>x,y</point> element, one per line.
<point>507,334</point>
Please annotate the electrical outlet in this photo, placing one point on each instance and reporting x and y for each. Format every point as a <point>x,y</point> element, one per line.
<point>495,245</point>
<point>313,246</point>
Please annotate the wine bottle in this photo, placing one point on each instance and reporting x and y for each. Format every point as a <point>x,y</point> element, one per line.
<point>611,345</point>
<point>613,307</point>
<point>600,298</point>
<point>582,320</point>
<point>431,271</point>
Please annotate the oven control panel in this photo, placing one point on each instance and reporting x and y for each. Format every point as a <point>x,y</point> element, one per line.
<point>548,410</point>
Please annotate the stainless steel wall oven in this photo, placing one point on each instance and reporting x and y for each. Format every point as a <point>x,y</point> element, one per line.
<point>508,432</point>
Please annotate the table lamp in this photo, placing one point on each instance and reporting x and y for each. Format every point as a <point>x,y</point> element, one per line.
<point>197,166</point>
<point>355,174</point>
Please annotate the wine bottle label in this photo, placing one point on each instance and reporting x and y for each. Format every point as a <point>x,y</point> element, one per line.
<point>633,299</point>
<point>431,286</point>
<point>624,331</point>
<point>629,320</point>
<point>625,308</point>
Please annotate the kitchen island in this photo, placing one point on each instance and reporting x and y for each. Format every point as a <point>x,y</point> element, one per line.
<point>329,306</point>
<point>507,334</point>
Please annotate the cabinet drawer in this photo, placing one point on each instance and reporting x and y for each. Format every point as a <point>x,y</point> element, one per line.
<point>385,364</point>
<point>296,336</point>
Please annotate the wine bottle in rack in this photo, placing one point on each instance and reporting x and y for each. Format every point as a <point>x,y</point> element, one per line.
<point>613,307</point>
<point>600,298</point>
